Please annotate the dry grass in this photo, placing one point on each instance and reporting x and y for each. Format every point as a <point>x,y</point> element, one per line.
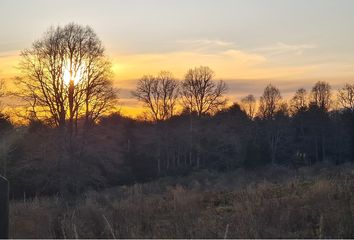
<point>310,203</point>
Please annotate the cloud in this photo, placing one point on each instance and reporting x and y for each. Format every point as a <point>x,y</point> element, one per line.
<point>227,64</point>
<point>254,70</point>
<point>224,57</point>
<point>284,48</point>
<point>206,42</point>
<point>8,63</point>
<point>9,54</point>
<point>204,45</point>
<point>223,63</point>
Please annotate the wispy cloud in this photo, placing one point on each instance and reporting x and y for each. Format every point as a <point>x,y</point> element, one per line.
<point>11,46</point>
<point>226,63</point>
<point>9,54</point>
<point>284,48</point>
<point>206,42</point>
<point>205,45</point>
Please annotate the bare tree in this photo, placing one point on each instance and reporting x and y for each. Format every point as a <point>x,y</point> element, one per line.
<point>65,76</point>
<point>270,102</point>
<point>275,112</point>
<point>299,100</point>
<point>159,94</point>
<point>2,90</point>
<point>346,96</point>
<point>200,93</point>
<point>321,95</point>
<point>248,104</point>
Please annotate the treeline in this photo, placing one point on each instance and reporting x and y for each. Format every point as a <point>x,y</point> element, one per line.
<point>121,150</point>
<point>305,131</point>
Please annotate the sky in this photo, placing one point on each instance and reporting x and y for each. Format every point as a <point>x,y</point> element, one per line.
<point>248,43</point>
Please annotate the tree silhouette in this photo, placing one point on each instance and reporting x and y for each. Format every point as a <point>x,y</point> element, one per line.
<point>159,94</point>
<point>65,76</point>
<point>2,88</point>
<point>248,104</point>
<point>346,96</point>
<point>299,101</point>
<point>200,93</point>
<point>321,95</point>
<point>2,91</point>
<point>269,102</point>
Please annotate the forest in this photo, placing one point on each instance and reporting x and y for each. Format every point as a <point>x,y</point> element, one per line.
<point>74,147</point>
<point>119,150</point>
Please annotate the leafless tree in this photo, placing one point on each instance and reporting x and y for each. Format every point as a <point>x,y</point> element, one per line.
<point>270,102</point>
<point>170,93</point>
<point>274,111</point>
<point>321,95</point>
<point>159,94</point>
<point>200,93</point>
<point>299,100</point>
<point>248,104</point>
<point>346,96</point>
<point>65,76</point>
<point>2,90</point>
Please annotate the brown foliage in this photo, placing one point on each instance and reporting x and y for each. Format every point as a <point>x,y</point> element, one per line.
<point>300,206</point>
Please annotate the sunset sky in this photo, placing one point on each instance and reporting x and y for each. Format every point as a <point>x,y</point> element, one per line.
<point>248,43</point>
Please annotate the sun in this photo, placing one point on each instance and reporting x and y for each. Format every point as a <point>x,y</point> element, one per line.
<point>76,76</point>
<point>66,76</point>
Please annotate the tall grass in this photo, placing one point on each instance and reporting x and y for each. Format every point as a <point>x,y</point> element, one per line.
<point>273,203</point>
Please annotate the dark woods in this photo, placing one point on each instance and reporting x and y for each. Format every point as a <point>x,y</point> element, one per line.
<point>121,150</point>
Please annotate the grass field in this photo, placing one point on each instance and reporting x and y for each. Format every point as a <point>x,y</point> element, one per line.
<point>274,202</point>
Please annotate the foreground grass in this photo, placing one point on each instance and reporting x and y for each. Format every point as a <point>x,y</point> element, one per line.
<point>272,203</point>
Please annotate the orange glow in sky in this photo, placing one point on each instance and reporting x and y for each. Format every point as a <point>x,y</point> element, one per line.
<point>248,44</point>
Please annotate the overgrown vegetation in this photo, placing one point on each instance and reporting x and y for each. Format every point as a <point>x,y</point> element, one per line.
<point>269,203</point>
